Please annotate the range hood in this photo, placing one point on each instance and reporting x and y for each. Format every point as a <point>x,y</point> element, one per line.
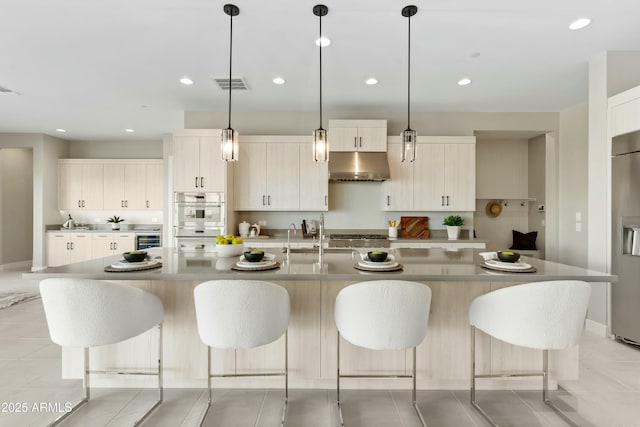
<point>358,166</point>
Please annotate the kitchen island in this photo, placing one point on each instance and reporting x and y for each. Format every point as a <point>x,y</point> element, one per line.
<point>455,278</point>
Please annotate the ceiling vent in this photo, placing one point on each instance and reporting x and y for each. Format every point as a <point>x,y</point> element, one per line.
<point>237,83</point>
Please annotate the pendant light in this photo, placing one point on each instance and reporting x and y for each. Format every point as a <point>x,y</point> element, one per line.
<point>229,143</point>
<point>409,136</point>
<point>320,143</point>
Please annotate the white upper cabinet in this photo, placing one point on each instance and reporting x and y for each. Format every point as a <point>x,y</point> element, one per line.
<point>267,175</point>
<point>624,112</point>
<point>357,135</point>
<point>133,184</point>
<point>80,185</point>
<point>197,164</point>
<point>442,178</point>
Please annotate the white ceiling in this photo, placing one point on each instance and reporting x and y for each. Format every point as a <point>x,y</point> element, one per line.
<point>89,66</point>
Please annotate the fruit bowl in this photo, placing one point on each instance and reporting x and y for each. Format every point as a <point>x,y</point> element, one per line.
<point>229,250</point>
<point>254,255</point>
<point>508,256</point>
<point>134,256</point>
<point>377,256</point>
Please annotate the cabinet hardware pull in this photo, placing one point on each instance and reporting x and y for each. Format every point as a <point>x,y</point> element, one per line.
<point>325,200</point>
<point>447,200</point>
<point>360,142</point>
<point>442,202</point>
<point>126,203</point>
<point>79,205</point>
<point>269,200</point>
<point>110,245</point>
<point>122,203</point>
<point>355,141</point>
<point>263,200</point>
<point>202,181</point>
<point>115,245</point>
<point>71,245</point>
<point>196,182</point>
<point>83,207</point>
<point>67,245</point>
<point>388,200</point>
<point>147,203</point>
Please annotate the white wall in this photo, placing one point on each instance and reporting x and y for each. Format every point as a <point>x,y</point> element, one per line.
<point>536,189</point>
<point>573,190</point>
<point>115,149</point>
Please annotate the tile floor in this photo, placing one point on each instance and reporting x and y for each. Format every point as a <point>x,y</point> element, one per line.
<point>607,394</point>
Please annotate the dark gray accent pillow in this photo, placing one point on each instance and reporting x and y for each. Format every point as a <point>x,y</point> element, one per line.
<point>524,241</point>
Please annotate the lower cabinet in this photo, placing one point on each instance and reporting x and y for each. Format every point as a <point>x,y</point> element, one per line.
<point>69,248</point>
<point>107,244</point>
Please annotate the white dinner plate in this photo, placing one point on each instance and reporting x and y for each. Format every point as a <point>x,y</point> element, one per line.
<point>126,264</point>
<point>389,262</point>
<point>267,260</point>
<point>519,265</point>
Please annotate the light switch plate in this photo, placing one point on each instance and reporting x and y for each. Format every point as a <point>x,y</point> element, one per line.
<point>578,226</point>
<point>578,216</point>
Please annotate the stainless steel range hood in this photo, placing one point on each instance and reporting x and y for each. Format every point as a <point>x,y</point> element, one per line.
<point>358,166</point>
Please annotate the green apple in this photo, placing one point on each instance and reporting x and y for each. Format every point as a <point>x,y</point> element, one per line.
<point>236,241</point>
<point>255,252</point>
<point>376,253</point>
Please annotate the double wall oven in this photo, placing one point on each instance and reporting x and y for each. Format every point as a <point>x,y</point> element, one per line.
<point>198,219</point>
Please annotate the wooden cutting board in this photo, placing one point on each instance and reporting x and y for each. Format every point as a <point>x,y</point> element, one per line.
<point>414,226</point>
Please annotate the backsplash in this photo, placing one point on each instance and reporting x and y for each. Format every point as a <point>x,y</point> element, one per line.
<point>100,217</point>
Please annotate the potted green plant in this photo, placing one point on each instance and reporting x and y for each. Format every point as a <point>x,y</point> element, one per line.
<point>115,222</point>
<point>453,223</point>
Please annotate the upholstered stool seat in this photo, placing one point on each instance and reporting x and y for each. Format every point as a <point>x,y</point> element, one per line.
<point>542,315</point>
<point>89,313</point>
<point>383,315</point>
<point>234,314</point>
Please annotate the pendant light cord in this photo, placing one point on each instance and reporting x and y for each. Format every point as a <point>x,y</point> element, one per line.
<point>409,78</point>
<point>230,57</point>
<point>320,43</point>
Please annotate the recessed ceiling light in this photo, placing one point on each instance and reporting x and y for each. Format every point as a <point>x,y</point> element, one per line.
<point>61,130</point>
<point>464,81</point>
<point>372,81</point>
<point>324,41</point>
<point>278,81</point>
<point>579,23</point>
<point>129,130</point>
<point>186,81</point>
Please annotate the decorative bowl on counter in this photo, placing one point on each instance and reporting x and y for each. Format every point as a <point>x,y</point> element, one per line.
<point>135,256</point>
<point>254,255</point>
<point>508,256</point>
<point>377,256</point>
<point>229,250</point>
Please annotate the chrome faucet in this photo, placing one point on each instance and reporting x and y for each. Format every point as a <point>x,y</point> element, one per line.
<point>292,226</point>
<point>321,241</point>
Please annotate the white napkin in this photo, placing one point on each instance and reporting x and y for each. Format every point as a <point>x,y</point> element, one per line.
<point>489,255</point>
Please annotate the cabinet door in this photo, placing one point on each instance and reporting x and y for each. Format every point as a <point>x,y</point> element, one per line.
<point>460,177</point>
<point>314,181</point>
<point>123,242</point>
<point>213,170</point>
<point>69,186</point>
<point>135,187</point>
<point>250,178</point>
<point>343,139</point>
<point>81,247</point>
<point>186,163</point>
<point>101,245</point>
<point>58,249</point>
<point>283,176</point>
<point>114,186</point>
<point>372,139</point>
<point>92,186</point>
<point>397,192</point>
<point>154,186</point>
<point>428,178</point>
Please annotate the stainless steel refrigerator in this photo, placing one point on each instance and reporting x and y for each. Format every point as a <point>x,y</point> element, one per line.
<point>625,220</point>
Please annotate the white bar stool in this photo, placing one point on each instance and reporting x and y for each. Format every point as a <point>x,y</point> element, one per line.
<point>89,313</point>
<point>541,315</point>
<point>233,314</point>
<point>383,315</point>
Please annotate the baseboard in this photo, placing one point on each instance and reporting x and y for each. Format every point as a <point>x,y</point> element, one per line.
<point>595,327</point>
<point>26,265</point>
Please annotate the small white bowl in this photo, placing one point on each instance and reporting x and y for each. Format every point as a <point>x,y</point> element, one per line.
<point>229,250</point>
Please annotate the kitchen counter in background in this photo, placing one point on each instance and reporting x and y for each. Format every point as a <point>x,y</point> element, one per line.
<point>455,279</point>
<point>105,228</point>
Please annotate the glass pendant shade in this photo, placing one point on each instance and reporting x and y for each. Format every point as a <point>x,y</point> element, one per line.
<point>229,145</point>
<point>409,138</point>
<point>320,146</point>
